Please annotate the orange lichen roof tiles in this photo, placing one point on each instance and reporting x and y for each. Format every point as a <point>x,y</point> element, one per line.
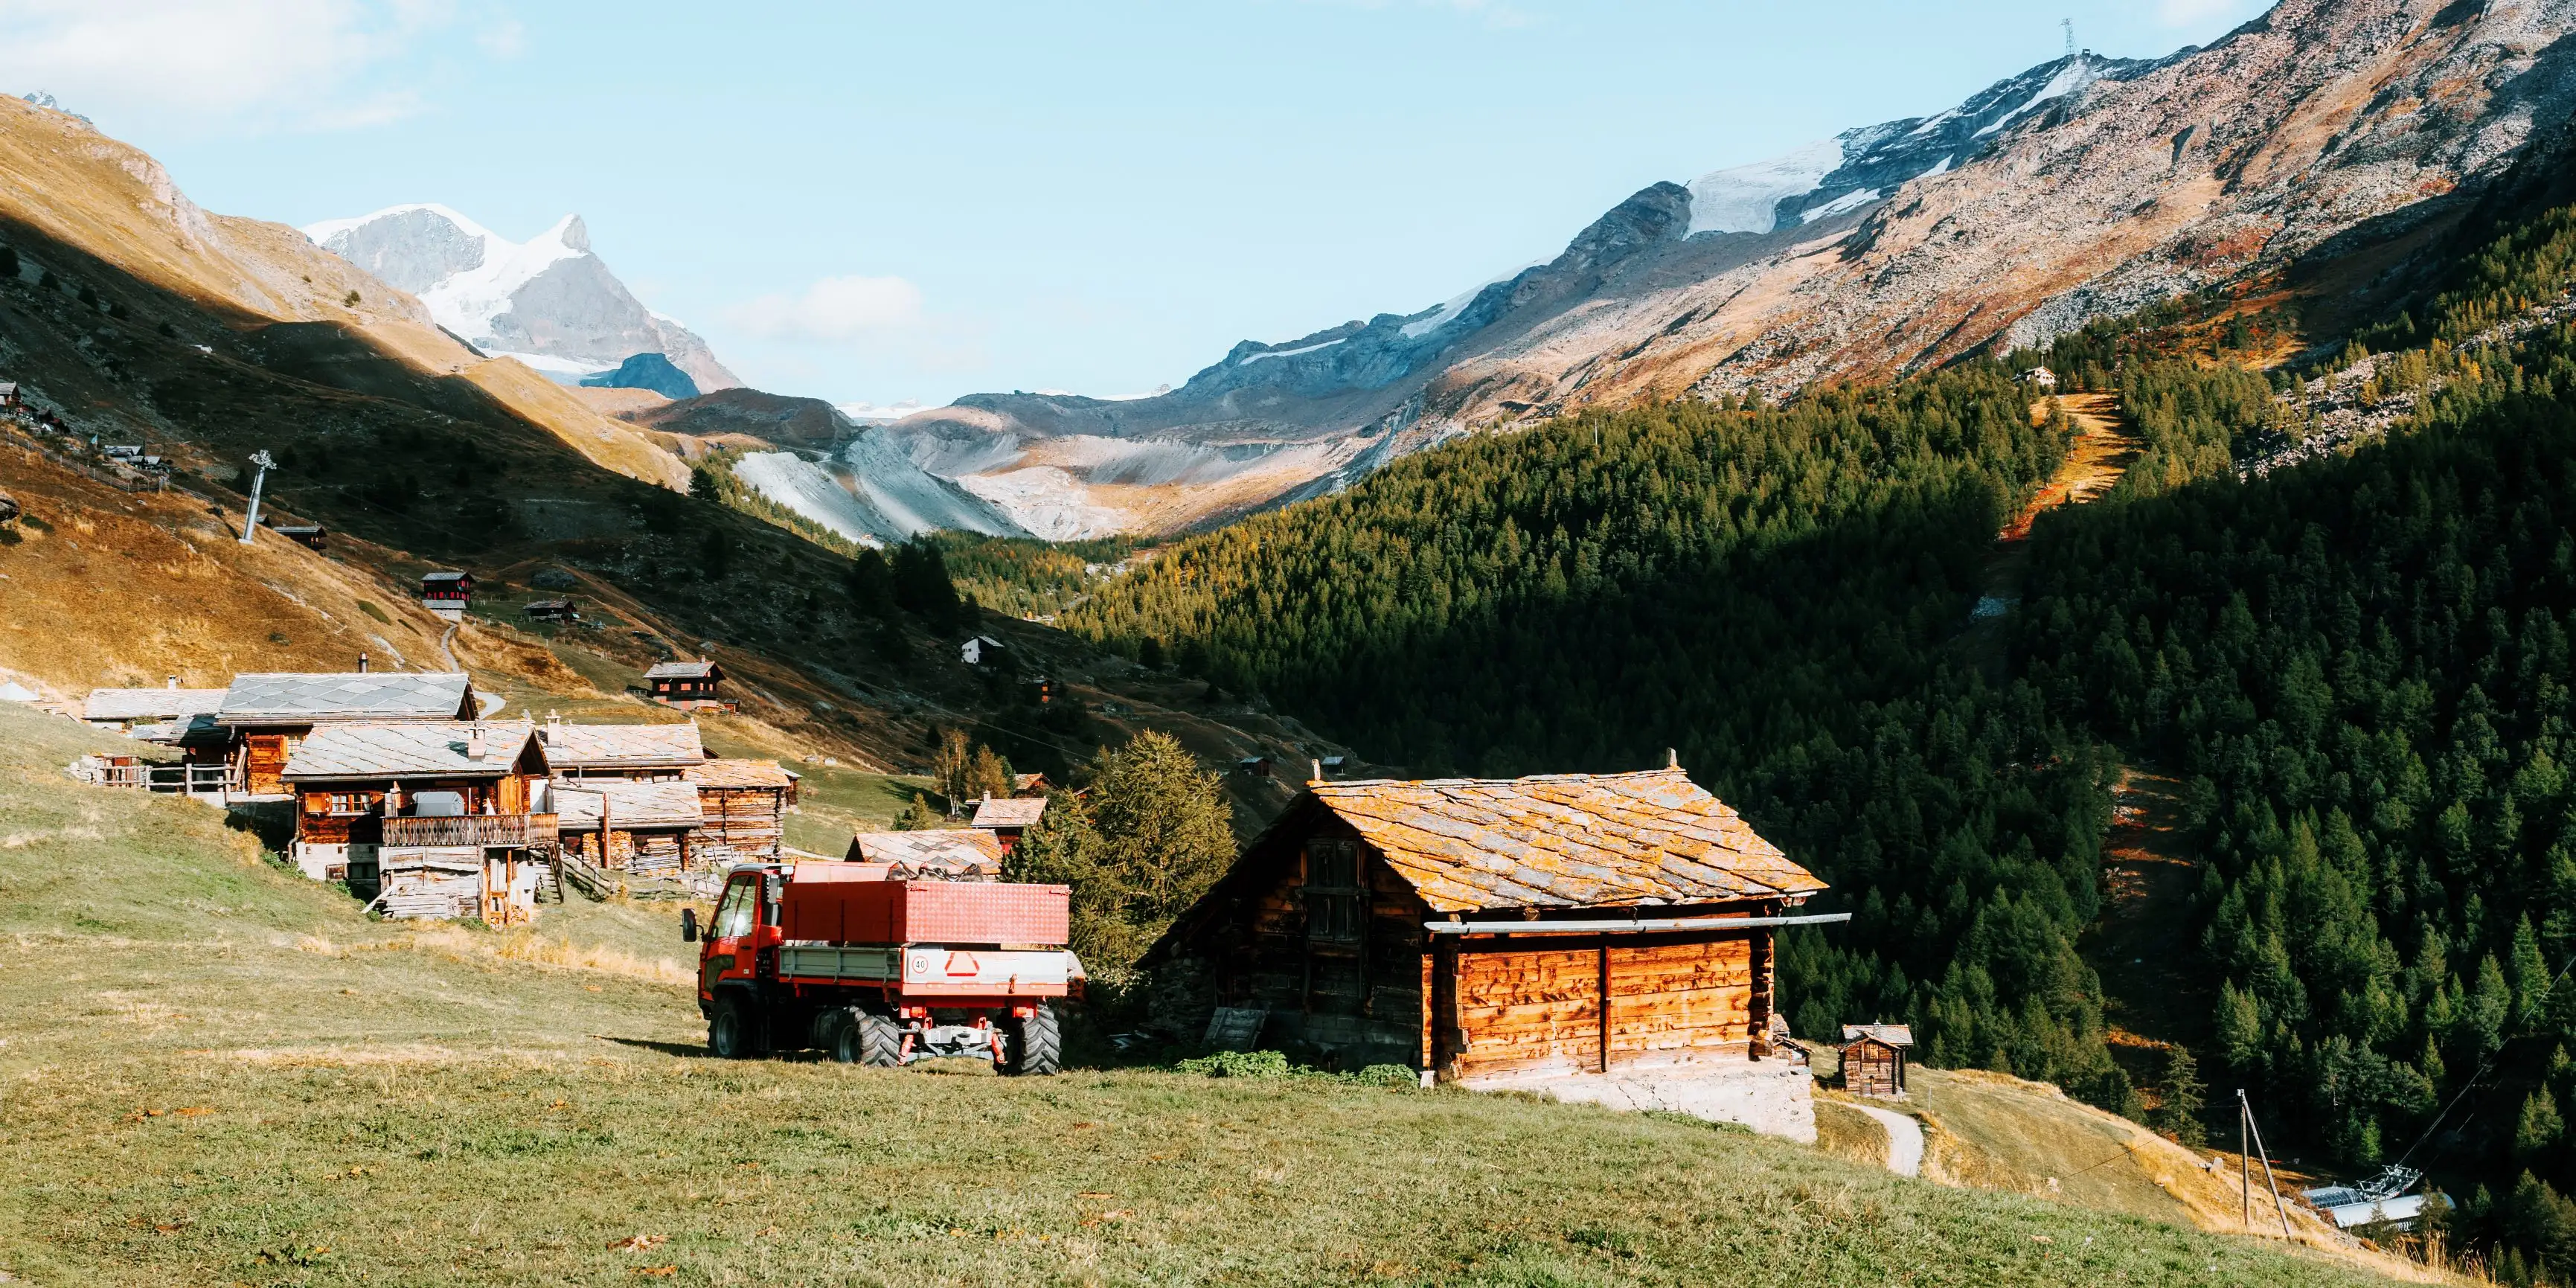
<point>1565,841</point>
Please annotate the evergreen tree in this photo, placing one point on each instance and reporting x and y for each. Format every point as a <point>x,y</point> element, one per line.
<point>2179,1115</point>
<point>916,817</point>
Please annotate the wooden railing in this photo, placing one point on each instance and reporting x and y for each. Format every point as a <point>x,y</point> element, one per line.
<point>487,831</point>
<point>192,778</point>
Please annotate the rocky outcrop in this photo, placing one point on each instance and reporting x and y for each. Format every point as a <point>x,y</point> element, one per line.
<point>2327,132</point>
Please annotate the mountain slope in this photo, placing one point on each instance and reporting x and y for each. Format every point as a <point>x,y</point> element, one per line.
<point>843,475</point>
<point>548,302</point>
<point>2324,138</point>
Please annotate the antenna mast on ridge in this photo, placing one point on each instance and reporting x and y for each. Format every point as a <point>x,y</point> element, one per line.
<point>2069,24</point>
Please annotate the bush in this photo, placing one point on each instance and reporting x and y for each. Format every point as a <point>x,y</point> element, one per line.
<point>1241,1064</point>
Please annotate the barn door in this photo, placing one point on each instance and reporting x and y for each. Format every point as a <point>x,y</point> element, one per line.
<point>1534,1010</point>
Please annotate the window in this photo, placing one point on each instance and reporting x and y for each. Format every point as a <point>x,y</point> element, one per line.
<point>1335,903</point>
<point>733,917</point>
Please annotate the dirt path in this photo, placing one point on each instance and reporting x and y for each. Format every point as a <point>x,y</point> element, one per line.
<point>1904,1139</point>
<point>2101,452</point>
<point>2143,937</point>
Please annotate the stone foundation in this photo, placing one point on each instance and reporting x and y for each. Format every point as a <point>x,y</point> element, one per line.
<point>1774,1096</point>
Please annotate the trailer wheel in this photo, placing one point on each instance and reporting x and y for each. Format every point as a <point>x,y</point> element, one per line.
<point>867,1036</point>
<point>729,1029</point>
<point>1036,1044</point>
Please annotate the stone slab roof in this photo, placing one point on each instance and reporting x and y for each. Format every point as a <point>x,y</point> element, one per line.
<point>1900,1035</point>
<point>949,852</point>
<point>629,804</point>
<point>740,772</point>
<point>681,671</point>
<point>297,697</point>
<point>1565,841</point>
<point>1015,811</point>
<point>151,704</point>
<point>639,746</point>
<point>410,749</point>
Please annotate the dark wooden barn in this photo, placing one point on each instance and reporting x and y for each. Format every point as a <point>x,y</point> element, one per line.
<point>690,686</point>
<point>446,592</point>
<point>1566,923</point>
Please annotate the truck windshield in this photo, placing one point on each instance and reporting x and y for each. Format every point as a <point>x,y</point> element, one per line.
<point>733,916</point>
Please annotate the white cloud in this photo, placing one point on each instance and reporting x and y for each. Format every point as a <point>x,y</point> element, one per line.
<point>300,63</point>
<point>833,309</point>
<point>504,39</point>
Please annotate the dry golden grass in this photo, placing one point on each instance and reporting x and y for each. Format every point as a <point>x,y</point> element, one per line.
<point>118,590</point>
<point>1845,1132</point>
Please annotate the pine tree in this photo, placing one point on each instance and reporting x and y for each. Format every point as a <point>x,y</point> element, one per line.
<point>949,766</point>
<point>2537,1130</point>
<point>916,817</point>
<point>2184,1098</point>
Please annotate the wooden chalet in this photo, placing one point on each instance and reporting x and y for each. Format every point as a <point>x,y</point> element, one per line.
<point>265,716</point>
<point>982,650</point>
<point>1475,929</point>
<point>690,686</point>
<point>550,610</point>
<point>436,818</point>
<point>1008,817</point>
<point>1874,1058</point>
<point>446,593</point>
<point>745,803</point>
<point>629,825</point>
<point>312,536</point>
<point>640,752</point>
<point>948,853</point>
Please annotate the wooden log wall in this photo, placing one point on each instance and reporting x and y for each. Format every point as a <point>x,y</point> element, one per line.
<point>1528,1005</point>
<point>748,819</point>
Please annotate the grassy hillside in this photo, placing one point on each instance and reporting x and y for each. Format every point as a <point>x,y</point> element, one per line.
<point>219,1073</point>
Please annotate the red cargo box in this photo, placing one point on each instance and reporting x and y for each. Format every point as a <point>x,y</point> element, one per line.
<point>847,908</point>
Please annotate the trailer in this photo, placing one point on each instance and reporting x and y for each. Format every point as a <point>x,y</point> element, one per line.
<point>873,970</point>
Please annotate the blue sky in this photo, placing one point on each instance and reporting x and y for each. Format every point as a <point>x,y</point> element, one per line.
<point>889,202</point>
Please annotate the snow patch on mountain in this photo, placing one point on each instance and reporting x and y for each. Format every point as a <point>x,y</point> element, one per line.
<point>547,301</point>
<point>1746,198</point>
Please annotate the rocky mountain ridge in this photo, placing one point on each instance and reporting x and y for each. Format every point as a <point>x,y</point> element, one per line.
<point>550,301</point>
<point>2301,151</point>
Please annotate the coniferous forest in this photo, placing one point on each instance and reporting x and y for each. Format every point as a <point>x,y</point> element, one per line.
<point>2359,668</point>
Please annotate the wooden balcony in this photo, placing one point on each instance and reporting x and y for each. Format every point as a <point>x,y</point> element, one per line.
<point>471,831</point>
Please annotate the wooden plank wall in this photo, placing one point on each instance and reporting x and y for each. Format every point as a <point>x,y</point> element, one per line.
<point>266,760</point>
<point>1672,1002</point>
<point>1537,1005</point>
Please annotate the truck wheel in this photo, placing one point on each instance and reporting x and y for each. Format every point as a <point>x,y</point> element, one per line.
<point>868,1037</point>
<point>729,1028</point>
<point>1036,1044</point>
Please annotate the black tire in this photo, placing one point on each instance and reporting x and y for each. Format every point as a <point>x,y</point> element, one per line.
<point>732,1030</point>
<point>1035,1046</point>
<point>869,1037</point>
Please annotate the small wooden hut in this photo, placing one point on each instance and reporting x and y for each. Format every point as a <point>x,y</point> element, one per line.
<point>628,825</point>
<point>948,853</point>
<point>1008,817</point>
<point>1874,1059</point>
<point>1559,924</point>
<point>745,803</point>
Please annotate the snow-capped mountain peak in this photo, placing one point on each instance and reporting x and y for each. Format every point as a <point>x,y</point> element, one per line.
<point>548,301</point>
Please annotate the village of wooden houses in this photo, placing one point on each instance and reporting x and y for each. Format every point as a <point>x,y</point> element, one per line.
<point>1983,703</point>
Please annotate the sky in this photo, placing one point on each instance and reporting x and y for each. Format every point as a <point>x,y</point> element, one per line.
<point>883,203</point>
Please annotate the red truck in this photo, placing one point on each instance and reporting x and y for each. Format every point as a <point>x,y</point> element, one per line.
<point>876,971</point>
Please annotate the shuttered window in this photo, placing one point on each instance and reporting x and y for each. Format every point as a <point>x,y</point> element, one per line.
<point>1335,902</point>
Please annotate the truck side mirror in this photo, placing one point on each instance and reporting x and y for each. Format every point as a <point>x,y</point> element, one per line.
<point>688,925</point>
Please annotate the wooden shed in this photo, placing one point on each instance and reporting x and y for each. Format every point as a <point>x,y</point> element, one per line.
<point>745,802</point>
<point>629,825</point>
<point>1874,1058</point>
<point>433,818</point>
<point>265,716</point>
<point>1008,817</point>
<point>1564,923</point>
<point>310,535</point>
